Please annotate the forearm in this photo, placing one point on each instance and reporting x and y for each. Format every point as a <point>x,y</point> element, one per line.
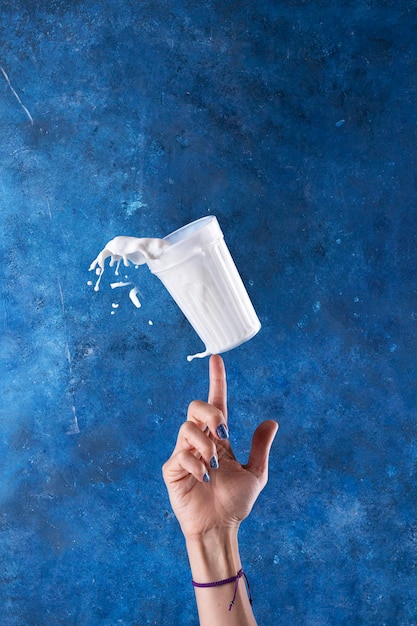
<point>213,557</point>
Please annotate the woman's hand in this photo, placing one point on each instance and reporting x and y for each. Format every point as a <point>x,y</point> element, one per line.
<point>208,488</point>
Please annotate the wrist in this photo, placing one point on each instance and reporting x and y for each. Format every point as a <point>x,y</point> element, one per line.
<point>214,555</point>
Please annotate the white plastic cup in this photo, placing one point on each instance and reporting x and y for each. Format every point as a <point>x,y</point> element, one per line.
<point>198,271</point>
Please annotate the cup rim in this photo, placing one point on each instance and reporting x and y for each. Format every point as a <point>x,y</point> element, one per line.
<point>193,226</point>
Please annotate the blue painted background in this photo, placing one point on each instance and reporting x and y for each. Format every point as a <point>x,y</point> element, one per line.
<point>294,122</point>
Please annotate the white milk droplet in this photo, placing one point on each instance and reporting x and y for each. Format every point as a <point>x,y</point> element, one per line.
<point>116,285</point>
<point>134,298</point>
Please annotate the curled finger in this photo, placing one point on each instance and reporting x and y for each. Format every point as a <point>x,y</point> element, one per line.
<point>185,463</point>
<point>208,418</point>
<point>192,438</point>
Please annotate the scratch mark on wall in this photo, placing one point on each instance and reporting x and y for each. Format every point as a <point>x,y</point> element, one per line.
<point>16,95</point>
<point>73,427</point>
<point>49,208</point>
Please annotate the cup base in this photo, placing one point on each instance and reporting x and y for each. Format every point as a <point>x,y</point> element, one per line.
<point>208,352</point>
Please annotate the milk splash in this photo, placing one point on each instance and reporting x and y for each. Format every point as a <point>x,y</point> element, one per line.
<point>128,250</point>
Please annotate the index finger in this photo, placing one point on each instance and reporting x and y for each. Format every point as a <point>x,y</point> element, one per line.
<point>218,385</point>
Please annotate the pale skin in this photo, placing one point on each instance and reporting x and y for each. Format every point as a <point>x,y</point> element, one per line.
<point>210,503</point>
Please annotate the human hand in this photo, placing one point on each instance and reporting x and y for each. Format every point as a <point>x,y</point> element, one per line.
<point>203,497</point>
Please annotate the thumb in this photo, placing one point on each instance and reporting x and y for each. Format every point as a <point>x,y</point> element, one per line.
<point>262,440</point>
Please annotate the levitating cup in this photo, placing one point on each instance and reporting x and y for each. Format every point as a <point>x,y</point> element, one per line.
<point>198,271</point>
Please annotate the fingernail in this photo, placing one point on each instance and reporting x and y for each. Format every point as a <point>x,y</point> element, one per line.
<point>214,462</point>
<point>222,432</point>
<point>206,478</point>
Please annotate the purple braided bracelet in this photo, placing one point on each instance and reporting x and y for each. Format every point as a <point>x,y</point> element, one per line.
<point>225,581</point>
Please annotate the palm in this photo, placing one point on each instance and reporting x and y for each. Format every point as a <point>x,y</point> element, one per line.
<point>226,500</point>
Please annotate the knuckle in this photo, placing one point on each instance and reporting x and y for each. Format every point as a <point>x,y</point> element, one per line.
<point>195,409</point>
<point>165,470</point>
<point>186,428</point>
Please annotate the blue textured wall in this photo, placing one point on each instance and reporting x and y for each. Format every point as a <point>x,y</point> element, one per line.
<point>295,123</point>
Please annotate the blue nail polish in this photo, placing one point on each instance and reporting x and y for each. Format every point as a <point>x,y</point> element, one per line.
<point>222,432</point>
<point>206,478</point>
<point>214,462</point>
